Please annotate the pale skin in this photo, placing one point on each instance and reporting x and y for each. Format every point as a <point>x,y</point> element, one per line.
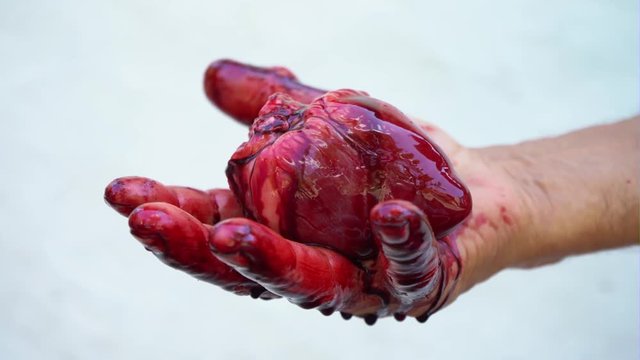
<point>543,200</point>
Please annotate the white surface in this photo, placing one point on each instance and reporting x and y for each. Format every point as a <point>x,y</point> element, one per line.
<point>90,92</point>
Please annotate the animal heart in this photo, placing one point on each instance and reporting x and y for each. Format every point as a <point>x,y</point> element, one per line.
<point>313,172</point>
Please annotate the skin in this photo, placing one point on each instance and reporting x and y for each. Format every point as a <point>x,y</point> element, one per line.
<point>533,206</point>
<point>526,213</point>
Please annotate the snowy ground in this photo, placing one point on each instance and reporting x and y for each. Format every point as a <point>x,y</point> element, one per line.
<point>91,91</point>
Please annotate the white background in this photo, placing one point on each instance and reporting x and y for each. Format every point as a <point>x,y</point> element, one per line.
<point>90,92</point>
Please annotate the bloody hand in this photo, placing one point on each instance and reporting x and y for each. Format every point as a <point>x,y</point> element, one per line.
<point>347,205</point>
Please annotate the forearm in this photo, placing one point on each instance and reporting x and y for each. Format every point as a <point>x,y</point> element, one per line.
<point>582,192</point>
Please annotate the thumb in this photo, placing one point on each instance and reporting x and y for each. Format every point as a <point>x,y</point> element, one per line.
<point>240,90</point>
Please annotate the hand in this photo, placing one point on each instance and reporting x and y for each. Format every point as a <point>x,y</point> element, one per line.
<point>203,232</point>
<point>415,274</point>
<point>239,255</point>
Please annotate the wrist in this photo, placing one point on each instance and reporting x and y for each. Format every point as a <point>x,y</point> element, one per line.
<point>533,240</point>
<point>493,237</point>
<point>515,207</point>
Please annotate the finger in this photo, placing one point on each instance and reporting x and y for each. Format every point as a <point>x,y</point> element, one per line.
<point>180,241</point>
<point>409,245</point>
<point>126,193</point>
<point>308,276</point>
<point>240,90</point>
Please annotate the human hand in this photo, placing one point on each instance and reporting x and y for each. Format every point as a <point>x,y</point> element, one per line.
<point>413,274</point>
